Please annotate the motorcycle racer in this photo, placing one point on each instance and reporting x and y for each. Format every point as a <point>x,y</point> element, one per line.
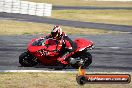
<point>62,40</point>
<point>57,49</point>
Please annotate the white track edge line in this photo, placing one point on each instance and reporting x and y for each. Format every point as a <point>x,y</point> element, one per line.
<point>46,71</point>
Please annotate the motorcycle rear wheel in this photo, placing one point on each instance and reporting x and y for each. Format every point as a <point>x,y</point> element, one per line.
<point>27,60</point>
<point>85,56</point>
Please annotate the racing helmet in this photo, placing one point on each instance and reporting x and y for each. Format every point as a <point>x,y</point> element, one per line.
<point>56,32</point>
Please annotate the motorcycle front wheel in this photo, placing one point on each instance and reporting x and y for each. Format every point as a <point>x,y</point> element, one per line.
<point>27,60</point>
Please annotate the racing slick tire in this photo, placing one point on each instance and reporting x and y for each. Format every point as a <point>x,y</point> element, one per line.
<point>27,60</point>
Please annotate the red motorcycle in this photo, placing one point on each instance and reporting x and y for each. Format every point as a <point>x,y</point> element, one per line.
<point>43,51</point>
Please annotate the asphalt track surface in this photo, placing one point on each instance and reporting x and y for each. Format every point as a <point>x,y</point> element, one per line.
<point>28,18</point>
<point>112,53</point>
<point>89,8</point>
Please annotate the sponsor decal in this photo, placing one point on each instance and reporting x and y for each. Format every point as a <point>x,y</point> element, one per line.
<point>83,78</point>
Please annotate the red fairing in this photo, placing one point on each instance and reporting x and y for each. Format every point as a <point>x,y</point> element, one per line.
<point>33,49</point>
<point>50,58</point>
<point>45,49</point>
<point>83,43</point>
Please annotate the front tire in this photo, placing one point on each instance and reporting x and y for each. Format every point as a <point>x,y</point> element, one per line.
<point>27,60</point>
<point>86,57</point>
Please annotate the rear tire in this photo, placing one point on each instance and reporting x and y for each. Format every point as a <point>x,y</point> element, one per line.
<point>27,60</point>
<point>85,56</point>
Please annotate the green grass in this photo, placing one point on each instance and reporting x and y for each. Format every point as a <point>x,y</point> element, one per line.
<point>121,17</point>
<point>11,27</point>
<point>48,80</point>
<point>86,3</point>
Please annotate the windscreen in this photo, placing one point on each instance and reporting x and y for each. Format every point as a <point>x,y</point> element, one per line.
<point>38,42</point>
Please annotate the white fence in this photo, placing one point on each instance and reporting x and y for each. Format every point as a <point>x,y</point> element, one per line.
<point>25,7</point>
